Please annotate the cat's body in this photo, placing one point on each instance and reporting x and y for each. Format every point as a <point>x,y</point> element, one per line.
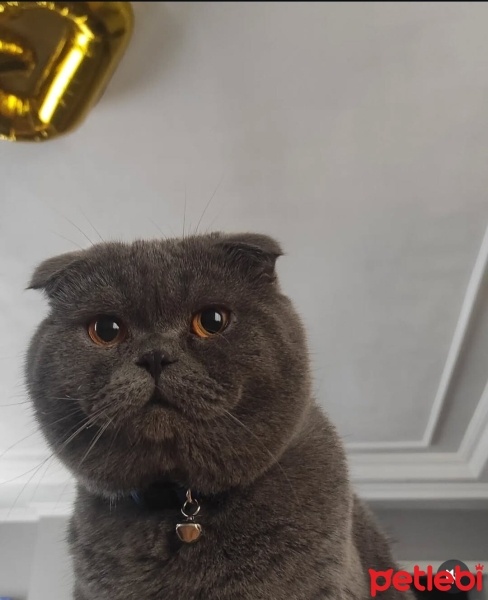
<point>163,406</point>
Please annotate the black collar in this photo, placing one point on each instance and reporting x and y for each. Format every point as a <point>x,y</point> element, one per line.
<point>162,496</point>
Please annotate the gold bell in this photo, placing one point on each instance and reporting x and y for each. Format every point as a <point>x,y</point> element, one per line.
<point>189,532</point>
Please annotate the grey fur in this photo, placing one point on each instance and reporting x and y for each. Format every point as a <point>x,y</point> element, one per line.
<point>280,520</point>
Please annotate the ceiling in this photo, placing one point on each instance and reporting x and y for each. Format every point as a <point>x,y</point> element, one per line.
<point>354,133</point>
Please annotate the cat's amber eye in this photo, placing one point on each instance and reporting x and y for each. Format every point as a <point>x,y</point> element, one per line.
<point>210,322</point>
<point>107,331</point>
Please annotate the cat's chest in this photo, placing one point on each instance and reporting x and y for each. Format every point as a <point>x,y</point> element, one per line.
<point>138,554</point>
<point>246,552</point>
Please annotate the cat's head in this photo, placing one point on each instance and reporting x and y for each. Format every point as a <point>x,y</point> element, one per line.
<point>176,358</point>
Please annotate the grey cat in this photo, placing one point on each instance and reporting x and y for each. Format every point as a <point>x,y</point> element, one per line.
<point>176,365</point>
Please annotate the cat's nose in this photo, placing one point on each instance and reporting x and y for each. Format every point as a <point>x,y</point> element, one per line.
<point>154,362</point>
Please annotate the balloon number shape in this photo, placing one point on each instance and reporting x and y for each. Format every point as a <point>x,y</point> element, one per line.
<point>56,59</point>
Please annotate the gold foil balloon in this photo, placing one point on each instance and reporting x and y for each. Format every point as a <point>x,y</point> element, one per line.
<point>55,60</point>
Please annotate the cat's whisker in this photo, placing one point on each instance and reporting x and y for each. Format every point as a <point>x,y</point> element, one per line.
<point>184,214</point>
<point>65,238</point>
<point>53,411</point>
<point>2,454</point>
<point>275,460</point>
<point>79,229</point>
<point>211,225</point>
<point>91,225</point>
<point>19,394</point>
<point>85,424</point>
<point>209,202</point>
<point>89,397</point>
<point>43,462</point>
<point>68,399</point>
<point>20,385</point>
<point>97,437</point>
<point>15,404</point>
<point>36,470</point>
<point>163,235</point>
<point>68,416</point>
<point>25,472</point>
<point>48,464</point>
<point>69,221</point>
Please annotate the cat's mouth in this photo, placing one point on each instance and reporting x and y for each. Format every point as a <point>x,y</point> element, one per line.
<point>159,400</point>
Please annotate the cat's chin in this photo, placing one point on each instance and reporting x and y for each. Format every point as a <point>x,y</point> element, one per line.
<point>158,421</point>
<point>160,424</point>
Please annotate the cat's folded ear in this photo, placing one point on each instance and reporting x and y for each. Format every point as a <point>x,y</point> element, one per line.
<point>256,253</point>
<point>49,273</point>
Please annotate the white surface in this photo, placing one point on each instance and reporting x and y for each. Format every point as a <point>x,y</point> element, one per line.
<point>355,134</point>
<point>51,574</point>
<point>17,545</point>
